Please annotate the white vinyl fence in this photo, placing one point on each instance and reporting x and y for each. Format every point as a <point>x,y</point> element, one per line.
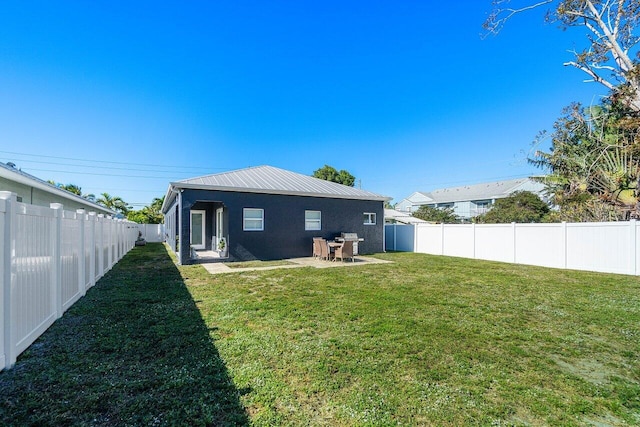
<point>609,247</point>
<point>49,257</point>
<point>152,233</point>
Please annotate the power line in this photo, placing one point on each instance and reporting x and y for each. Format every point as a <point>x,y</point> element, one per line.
<point>98,174</point>
<point>90,166</point>
<point>191,167</point>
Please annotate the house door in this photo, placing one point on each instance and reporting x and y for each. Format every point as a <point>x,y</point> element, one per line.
<point>197,229</point>
<point>219,224</point>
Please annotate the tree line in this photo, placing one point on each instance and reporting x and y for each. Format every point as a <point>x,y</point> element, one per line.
<point>592,167</point>
<point>150,214</point>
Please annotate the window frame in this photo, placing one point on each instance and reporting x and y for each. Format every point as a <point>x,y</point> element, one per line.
<point>307,221</point>
<point>245,218</point>
<point>370,218</point>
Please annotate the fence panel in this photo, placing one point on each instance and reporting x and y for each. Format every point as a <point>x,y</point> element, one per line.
<point>459,240</point>
<point>540,244</point>
<point>610,247</point>
<point>152,233</point>
<point>399,237</point>
<point>70,259</point>
<point>5,277</point>
<point>494,242</point>
<point>46,264</point>
<point>33,296</point>
<point>600,246</point>
<point>429,239</point>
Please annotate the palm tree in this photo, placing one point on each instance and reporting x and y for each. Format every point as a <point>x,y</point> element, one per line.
<point>72,188</point>
<point>114,203</point>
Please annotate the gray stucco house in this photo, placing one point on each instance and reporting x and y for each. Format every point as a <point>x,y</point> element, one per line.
<point>469,201</point>
<point>267,213</point>
<point>34,191</point>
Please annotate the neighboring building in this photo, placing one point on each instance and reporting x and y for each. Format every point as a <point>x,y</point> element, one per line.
<point>470,200</point>
<point>267,213</point>
<point>35,191</point>
<point>392,216</point>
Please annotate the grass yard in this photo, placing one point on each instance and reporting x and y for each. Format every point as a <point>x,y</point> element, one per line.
<point>423,341</point>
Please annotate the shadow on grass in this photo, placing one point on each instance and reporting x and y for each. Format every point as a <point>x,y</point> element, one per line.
<point>133,351</point>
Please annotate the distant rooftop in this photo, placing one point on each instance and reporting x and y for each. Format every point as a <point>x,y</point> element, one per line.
<point>484,191</point>
<point>402,217</point>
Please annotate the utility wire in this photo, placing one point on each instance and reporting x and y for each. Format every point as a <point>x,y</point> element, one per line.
<point>191,167</point>
<point>93,166</point>
<point>28,170</point>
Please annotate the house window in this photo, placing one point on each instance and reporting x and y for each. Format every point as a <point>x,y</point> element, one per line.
<point>252,219</point>
<point>312,220</point>
<point>369,218</point>
<point>482,206</point>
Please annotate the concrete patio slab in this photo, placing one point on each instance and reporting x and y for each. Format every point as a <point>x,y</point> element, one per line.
<point>221,268</point>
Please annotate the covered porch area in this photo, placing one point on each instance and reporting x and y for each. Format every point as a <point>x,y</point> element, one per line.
<point>208,231</point>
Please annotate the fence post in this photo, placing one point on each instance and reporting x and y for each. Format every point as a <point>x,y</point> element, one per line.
<point>109,223</point>
<point>92,248</point>
<point>120,240</point>
<point>393,227</point>
<point>82,262</point>
<point>473,238</point>
<point>100,234</point>
<point>633,248</point>
<point>513,247</point>
<point>7,271</point>
<point>56,259</point>
<point>442,238</point>
<point>565,244</point>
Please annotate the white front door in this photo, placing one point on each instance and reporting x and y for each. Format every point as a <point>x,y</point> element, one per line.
<point>198,229</point>
<point>219,225</point>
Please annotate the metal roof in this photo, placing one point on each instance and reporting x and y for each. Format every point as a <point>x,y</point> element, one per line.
<point>272,180</point>
<point>12,173</point>
<point>485,191</point>
<point>402,217</point>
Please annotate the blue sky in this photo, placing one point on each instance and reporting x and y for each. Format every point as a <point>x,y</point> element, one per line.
<point>124,97</point>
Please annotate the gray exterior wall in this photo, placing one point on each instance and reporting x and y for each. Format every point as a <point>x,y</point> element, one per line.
<point>284,234</point>
<point>35,196</point>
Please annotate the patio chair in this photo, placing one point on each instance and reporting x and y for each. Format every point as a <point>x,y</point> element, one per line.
<point>320,248</point>
<point>316,247</point>
<point>345,250</point>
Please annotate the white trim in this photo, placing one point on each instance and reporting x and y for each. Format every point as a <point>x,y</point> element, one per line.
<point>312,224</point>
<point>219,226</point>
<point>204,228</point>
<point>244,219</point>
<point>372,220</point>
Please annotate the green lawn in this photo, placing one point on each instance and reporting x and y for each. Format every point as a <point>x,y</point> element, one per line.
<point>423,341</point>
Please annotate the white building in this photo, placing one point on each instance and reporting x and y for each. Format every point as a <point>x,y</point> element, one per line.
<point>469,201</point>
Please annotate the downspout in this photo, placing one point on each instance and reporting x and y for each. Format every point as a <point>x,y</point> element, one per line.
<point>179,197</point>
<point>384,231</point>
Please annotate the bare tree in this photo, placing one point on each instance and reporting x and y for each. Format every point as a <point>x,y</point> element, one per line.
<point>611,57</point>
